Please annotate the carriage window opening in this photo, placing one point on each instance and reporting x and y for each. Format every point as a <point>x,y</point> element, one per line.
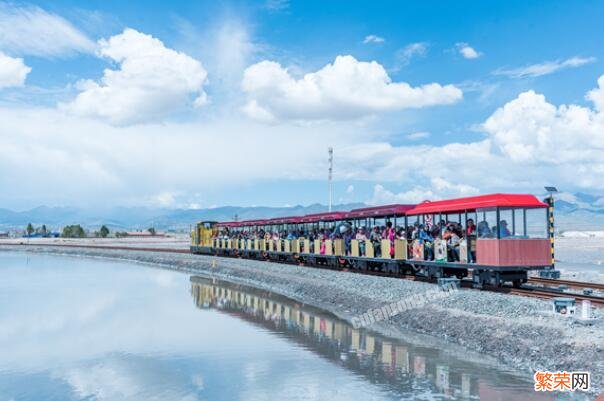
<point>536,223</point>
<point>506,223</point>
<point>486,227</point>
<point>452,218</point>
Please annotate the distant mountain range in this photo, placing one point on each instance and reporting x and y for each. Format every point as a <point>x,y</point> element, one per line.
<point>129,218</point>
<point>578,211</point>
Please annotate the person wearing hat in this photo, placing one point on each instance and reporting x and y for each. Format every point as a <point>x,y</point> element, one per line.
<point>503,229</point>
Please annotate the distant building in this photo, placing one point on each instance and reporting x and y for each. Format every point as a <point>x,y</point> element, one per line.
<point>3,235</point>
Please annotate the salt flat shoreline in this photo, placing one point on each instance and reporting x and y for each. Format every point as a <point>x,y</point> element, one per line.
<point>515,331</point>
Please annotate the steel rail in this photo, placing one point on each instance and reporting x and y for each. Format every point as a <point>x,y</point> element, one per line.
<point>569,283</point>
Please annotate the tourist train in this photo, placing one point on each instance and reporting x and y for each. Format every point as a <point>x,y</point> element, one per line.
<point>496,237</point>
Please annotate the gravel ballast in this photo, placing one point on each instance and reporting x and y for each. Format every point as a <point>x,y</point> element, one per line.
<point>518,331</point>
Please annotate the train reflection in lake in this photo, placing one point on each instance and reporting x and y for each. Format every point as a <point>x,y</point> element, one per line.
<point>406,369</point>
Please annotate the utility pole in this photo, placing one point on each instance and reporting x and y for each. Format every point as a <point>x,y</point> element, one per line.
<point>550,220</point>
<point>329,175</point>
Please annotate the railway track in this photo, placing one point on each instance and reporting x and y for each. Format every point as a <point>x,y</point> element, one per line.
<point>569,283</point>
<point>549,294</point>
<point>535,292</point>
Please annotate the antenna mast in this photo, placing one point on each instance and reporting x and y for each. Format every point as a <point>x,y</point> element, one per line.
<point>329,176</point>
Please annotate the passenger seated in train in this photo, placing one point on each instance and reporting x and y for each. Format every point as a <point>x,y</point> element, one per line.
<point>483,230</point>
<point>415,231</point>
<point>390,235</point>
<point>442,226</point>
<point>436,231</point>
<point>376,237</point>
<point>453,238</point>
<point>503,229</point>
<point>470,233</point>
<point>361,236</point>
<point>425,238</point>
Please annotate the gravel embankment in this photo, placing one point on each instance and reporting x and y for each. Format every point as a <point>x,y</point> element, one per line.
<point>518,331</point>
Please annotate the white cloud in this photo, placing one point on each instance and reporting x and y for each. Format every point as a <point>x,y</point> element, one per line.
<point>415,136</point>
<point>373,39</point>
<point>545,68</point>
<point>437,189</point>
<point>528,142</point>
<point>152,81</point>
<point>404,55</point>
<point>165,199</point>
<point>13,71</point>
<point>346,89</point>
<point>383,196</point>
<point>350,189</point>
<point>98,164</point>
<point>597,95</point>
<point>29,30</point>
<point>567,139</point>
<point>467,51</point>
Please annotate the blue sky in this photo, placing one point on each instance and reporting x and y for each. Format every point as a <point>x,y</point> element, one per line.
<point>195,104</point>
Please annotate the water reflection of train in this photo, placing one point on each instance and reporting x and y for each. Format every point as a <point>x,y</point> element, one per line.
<point>405,368</point>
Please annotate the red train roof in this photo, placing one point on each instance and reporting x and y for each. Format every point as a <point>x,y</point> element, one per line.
<point>247,223</point>
<point>477,202</point>
<point>284,220</point>
<point>228,224</point>
<point>379,211</point>
<point>328,216</point>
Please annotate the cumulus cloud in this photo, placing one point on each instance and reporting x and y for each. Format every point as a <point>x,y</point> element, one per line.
<point>373,39</point>
<point>345,89</point>
<point>151,82</point>
<point>467,51</point>
<point>545,68</point>
<point>29,30</point>
<point>529,142</point>
<point>13,71</point>
<point>530,129</point>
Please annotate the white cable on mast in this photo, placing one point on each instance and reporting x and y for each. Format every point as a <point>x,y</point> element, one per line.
<point>329,176</point>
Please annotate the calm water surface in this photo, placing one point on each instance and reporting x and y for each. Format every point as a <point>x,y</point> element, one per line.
<point>73,329</point>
